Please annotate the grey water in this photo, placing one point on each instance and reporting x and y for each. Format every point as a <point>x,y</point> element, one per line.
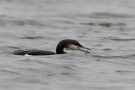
<point>105,26</point>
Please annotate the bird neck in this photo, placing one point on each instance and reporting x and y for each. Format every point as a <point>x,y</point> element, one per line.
<point>60,49</point>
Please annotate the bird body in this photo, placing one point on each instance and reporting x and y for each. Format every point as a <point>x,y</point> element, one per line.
<point>67,43</point>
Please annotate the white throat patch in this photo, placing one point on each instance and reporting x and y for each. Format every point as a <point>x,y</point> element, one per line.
<point>72,47</point>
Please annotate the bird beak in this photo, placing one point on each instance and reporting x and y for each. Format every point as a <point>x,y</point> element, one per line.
<point>84,49</point>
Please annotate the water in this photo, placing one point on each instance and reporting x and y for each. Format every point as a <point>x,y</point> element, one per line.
<point>105,26</point>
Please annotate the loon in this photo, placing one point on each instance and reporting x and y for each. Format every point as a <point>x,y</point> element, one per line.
<point>68,44</point>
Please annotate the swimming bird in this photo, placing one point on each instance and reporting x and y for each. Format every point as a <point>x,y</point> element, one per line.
<point>69,44</point>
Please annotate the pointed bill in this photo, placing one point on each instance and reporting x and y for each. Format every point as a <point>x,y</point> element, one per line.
<point>84,49</point>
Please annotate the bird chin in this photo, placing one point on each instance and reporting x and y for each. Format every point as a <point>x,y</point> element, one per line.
<point>72,47</point>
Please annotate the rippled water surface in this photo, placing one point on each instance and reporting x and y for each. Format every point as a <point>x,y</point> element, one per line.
<point>105,26</point>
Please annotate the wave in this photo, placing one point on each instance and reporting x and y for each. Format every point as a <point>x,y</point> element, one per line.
<point>20,22</point>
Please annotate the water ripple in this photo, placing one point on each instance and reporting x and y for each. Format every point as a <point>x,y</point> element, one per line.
<point>32,37</point>
<point>9,72</point>
<point>15,22</point>
<point>122,39</point>
<point>106,24</point>
<point>105,15</point>
<point>115,56</point>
